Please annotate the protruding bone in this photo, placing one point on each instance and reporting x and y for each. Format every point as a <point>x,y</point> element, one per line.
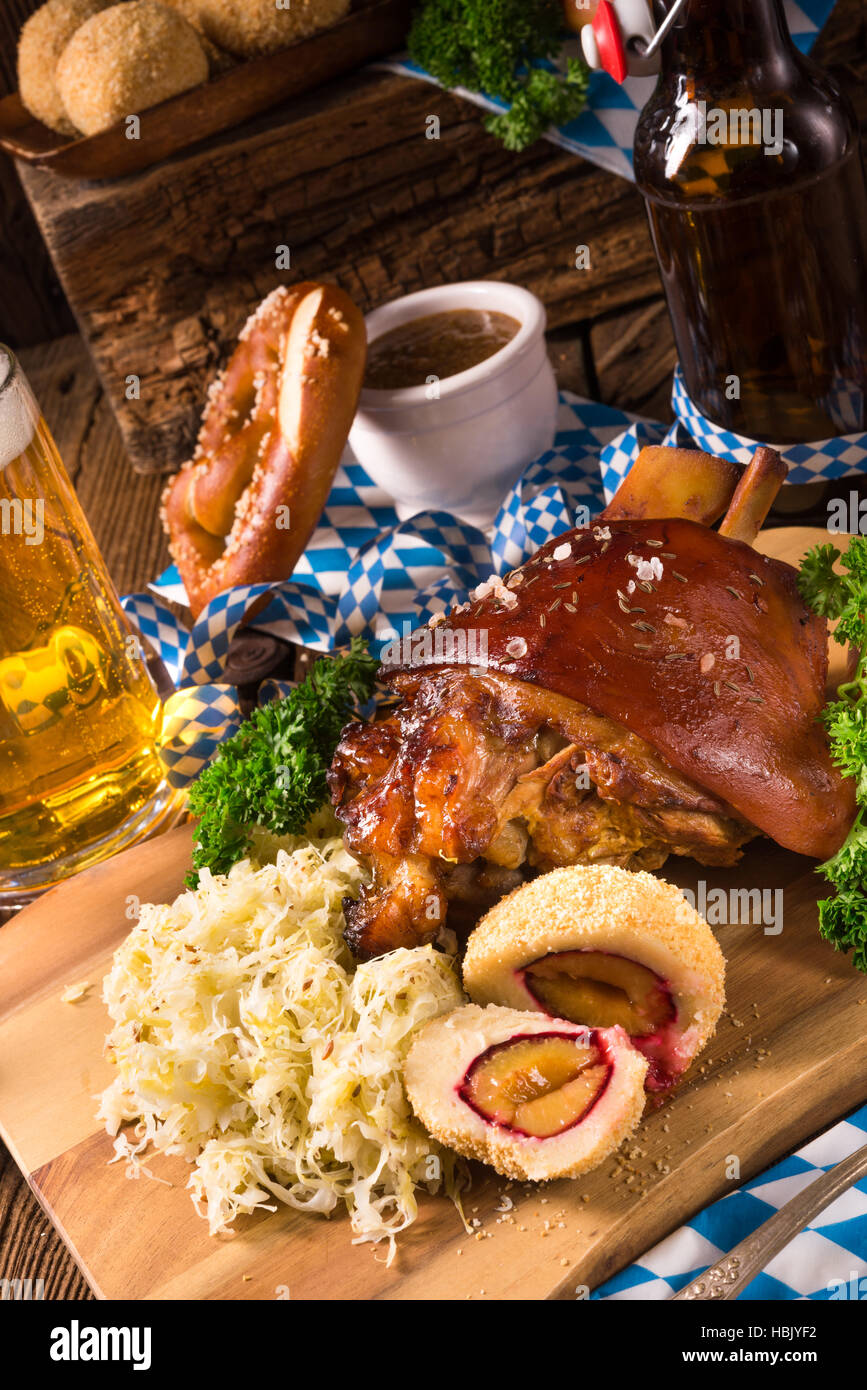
<point>666,482</point>
<point>754,496</point>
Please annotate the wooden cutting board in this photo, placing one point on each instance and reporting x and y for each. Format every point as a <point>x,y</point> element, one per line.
<point>789,1057</point>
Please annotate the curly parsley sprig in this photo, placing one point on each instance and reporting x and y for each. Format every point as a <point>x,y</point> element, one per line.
<point>271,773</point>
<point>502,48</point>
<point>843,598</point>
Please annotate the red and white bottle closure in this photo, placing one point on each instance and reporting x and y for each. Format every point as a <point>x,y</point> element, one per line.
<point>622,40</point>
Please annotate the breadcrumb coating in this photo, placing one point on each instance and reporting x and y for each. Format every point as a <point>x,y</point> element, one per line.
<point>191,10</point>
<point>441,1055</point>
<point>43,39</point>
<point>252,28</point>
<point>126,59</point>
<point>600,907</point>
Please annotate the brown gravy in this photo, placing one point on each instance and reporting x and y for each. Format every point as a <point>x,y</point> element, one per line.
<point>436,345</point>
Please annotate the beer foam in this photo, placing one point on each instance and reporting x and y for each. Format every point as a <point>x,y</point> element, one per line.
<point>18,413</point>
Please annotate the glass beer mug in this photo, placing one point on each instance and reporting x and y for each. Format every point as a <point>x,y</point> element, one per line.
<point>80,775</point>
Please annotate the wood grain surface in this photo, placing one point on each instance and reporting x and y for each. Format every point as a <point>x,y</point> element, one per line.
<point>789,1057</point>
<point>121,505</point>
<point>163,267</point>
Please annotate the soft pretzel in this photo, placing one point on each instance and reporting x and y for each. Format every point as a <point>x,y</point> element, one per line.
<point>243,508</point>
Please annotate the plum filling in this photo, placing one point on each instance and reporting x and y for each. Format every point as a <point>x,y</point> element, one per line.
<point>602,990</point>
<point>538,1085</point>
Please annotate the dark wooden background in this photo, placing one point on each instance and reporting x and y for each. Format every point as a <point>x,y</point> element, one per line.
<point>162,267</point>
<point>32,305</point>
<point>388,226</point>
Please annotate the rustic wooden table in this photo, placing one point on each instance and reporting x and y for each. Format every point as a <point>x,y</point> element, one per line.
<point>611,338</point>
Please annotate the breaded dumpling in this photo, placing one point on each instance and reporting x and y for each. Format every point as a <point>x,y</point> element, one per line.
<point>43,39</point>
<point>534,1097</point>
<point>126,59</point>
<point>218,59</point>
<point>603,946</point>
<point>252,28</point>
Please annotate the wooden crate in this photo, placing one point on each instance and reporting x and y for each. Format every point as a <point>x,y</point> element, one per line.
<point>163,267</point>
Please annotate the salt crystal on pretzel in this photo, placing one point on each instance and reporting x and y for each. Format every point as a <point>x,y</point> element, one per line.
<point>274,428</point>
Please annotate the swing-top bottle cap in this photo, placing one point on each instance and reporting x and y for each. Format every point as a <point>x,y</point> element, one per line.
<point>622,39</point>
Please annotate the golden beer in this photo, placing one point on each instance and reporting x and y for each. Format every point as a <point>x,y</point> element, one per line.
<point>80,774</point>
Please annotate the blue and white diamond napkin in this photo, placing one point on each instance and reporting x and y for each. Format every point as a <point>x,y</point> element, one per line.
<point>827,1260</point>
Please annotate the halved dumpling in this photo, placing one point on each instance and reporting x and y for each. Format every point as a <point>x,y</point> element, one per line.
<point>602,946</point>
<point>533,1097</point>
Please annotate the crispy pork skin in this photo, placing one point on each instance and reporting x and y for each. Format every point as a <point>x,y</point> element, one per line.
<point>710,656</point>
<point>492,780</point>
<point>649,688</point>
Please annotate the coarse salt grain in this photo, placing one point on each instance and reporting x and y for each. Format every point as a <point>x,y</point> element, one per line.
<point>495,587</point>
<point>646,569</point>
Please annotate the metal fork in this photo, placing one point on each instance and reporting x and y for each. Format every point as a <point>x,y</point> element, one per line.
<point>735,1270</point>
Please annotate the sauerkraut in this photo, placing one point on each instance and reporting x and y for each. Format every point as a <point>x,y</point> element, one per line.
<point>246,1040</point>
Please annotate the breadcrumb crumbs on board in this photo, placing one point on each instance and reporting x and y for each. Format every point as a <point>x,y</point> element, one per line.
<point>73,994</point>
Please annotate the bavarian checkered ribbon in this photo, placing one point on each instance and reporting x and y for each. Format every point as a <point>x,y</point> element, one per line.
<point>824,460</point>
<point>366,572</point>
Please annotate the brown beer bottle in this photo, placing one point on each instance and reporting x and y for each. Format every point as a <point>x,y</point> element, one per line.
<point>749,160</point>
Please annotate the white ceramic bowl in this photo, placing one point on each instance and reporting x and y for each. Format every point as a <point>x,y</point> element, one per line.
<point>462,449</point>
